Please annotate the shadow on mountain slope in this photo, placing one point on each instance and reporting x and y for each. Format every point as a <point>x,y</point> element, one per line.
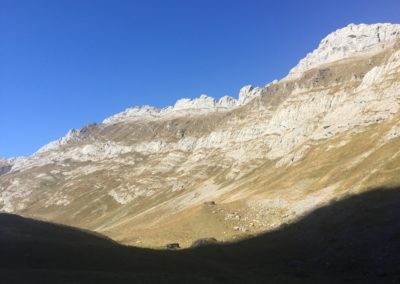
<point>355,240</point>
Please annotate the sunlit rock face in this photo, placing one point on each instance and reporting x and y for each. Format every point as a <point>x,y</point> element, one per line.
<point>353,40</point>
<point>328,129</point>
<point>186,107</point>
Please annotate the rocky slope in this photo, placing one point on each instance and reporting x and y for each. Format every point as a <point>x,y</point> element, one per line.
<point>145,176</point>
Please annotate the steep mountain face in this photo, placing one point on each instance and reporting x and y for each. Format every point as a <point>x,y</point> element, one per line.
<point>147,176</point>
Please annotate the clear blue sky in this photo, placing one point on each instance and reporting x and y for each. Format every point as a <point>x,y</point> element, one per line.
<point>64,64</point>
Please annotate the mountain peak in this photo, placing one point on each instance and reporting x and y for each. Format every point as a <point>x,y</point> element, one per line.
<point>346,42</point>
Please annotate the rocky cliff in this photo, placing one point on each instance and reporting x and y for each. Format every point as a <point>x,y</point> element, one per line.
<point>329,129</point>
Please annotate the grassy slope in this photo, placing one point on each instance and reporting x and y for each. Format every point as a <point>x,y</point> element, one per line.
<point>342,167</point>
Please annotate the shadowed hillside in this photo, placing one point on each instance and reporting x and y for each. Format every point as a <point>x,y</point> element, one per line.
<point>355,240</point>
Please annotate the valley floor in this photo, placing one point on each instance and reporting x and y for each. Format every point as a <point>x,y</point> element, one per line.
<point>355,240</point>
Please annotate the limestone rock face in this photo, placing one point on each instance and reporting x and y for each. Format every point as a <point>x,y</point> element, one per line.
<point>347,42</point>
<point>247,93</point>
<point>131,113</point>
<point>328,129</point>
<point>203,102</point>
<point>200,105</point>
<point>227,102</point>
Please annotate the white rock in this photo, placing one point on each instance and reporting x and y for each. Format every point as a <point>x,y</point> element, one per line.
<point>203,102</point>
<point>227,102</point>
<point>200,105</point>
<point>247,93</point>
<point>71,136</point>
<point>347,42</point>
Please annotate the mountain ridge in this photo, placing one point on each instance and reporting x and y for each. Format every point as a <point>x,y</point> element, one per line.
<point>293,146</point>
<point>384,34</point>
<point>377,36</point>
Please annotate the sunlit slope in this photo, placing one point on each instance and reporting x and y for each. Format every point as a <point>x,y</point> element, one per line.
<point>143,176</point>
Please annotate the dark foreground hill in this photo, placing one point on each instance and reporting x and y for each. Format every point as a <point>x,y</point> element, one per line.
<point>355,240</point>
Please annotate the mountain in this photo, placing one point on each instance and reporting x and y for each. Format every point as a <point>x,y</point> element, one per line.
<point>230,168</point>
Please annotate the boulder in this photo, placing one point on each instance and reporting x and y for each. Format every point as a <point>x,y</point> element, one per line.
<point>204,242</point>
<point>173,246</point>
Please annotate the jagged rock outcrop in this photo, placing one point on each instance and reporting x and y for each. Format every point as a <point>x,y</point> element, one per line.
<point>327,129</point>
<point>353,40</point>
<point>203,104</point>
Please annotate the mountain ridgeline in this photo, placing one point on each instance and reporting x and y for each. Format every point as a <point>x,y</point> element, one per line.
<point>229,169</point>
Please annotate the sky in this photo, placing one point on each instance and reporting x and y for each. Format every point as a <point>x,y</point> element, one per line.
<point>66,64</point>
